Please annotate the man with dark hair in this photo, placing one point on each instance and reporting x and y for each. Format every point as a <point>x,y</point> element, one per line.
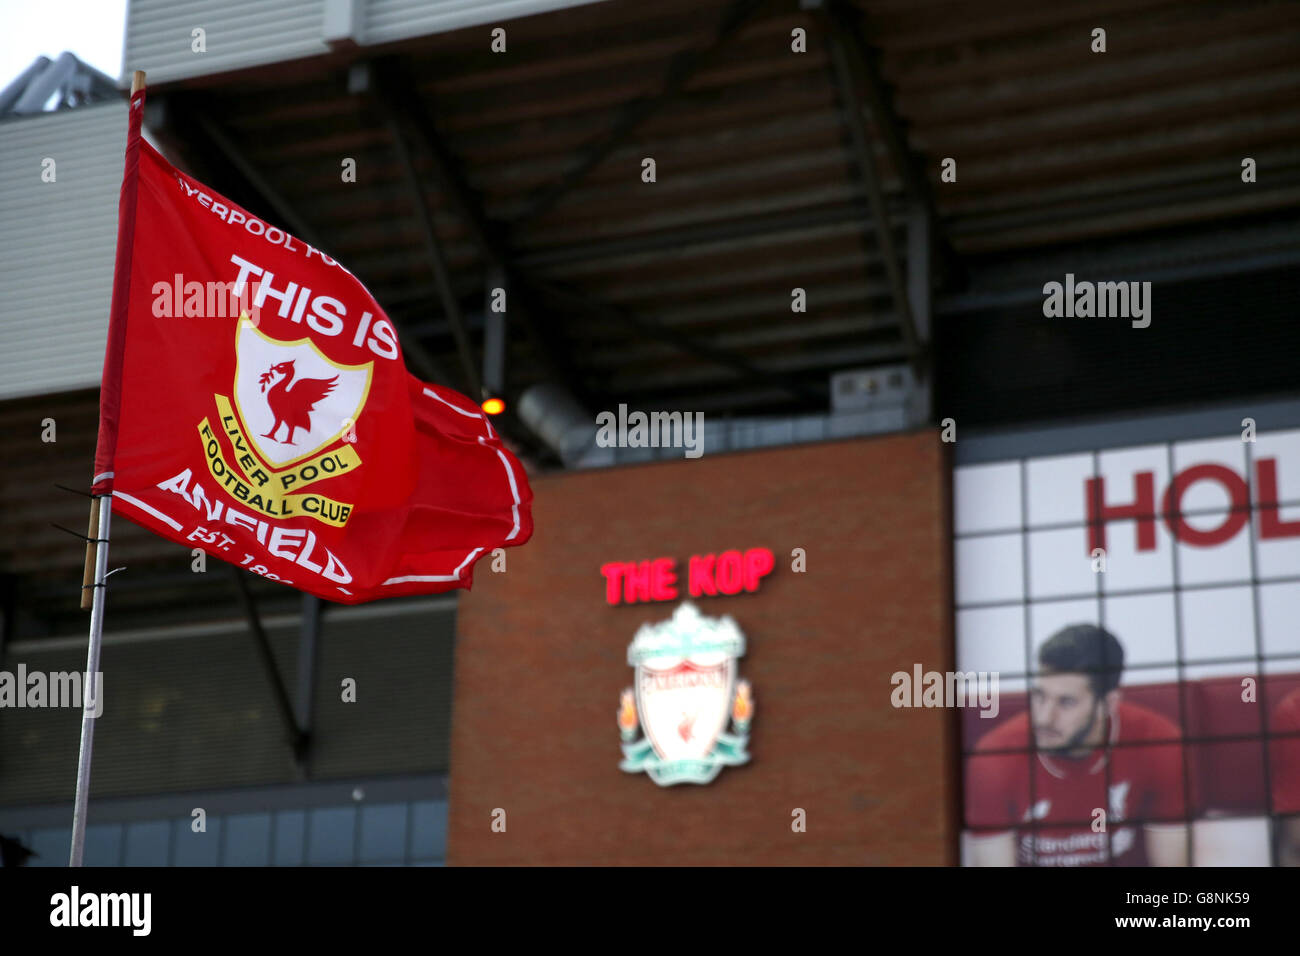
<point>1102,769</point>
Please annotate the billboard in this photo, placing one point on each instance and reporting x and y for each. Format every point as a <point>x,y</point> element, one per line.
<point>1141,606</point>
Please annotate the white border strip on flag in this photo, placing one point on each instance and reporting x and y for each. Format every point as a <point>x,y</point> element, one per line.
<point>514,489</point>
<point>455,576</point>
<point>147,509</point>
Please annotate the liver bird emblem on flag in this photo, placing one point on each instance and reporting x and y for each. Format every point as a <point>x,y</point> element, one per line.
<point>292,398</point>
<point>292,410</point>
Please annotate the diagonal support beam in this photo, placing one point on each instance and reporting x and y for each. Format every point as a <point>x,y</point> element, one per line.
<point>925,234</point>
<point>401,98</point>
<point>681,68</point>
<point>846,84</point>
<point>437,259</point>
<point>288,216</point>
<point>298,738</point>
<point>866,70</point>
<point>308,641</point>
<point>491,239</point>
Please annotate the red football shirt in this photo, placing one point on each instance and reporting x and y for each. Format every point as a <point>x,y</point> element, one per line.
<point>1285,755</point>
<point>1137,783</point>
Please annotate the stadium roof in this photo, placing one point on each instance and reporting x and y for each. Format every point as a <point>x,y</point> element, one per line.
<point>477,169</point>
<point>677,293</point>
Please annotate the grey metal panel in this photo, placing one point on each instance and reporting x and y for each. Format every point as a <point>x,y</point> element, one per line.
<point>192,709</point>
<point>400,721</point>
<point>719,437</point>
<point>246,33</point>
<point>387,20</point>
<point>177,715</point>
<point>238,34</point>
<point>392,789</point>
<point>57,247</point>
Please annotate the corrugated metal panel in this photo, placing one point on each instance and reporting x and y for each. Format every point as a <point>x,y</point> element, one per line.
<point>402,665</point>
<point>195,711</point>
<point>177,714</point>
<point>237,33</point>
<point>246,33</point>
<point>387,20</point>
<point>57,247</point>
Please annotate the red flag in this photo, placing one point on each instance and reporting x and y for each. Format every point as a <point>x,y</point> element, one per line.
<point>255,405</point>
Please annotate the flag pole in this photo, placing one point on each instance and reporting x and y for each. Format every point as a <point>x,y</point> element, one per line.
<point>95,570</point>
<point>91,693</point>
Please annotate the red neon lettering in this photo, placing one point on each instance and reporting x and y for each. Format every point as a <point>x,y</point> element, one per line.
<point>633,581</point>
<point>636,582</point>
<point>701,575</point>
<point>758,563</point>
<point>663,579</point>
<point>728,576</point>
<point>727,573</point>
<point>613,572</point>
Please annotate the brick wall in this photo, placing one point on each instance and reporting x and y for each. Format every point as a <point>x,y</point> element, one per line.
<point>541,660</point>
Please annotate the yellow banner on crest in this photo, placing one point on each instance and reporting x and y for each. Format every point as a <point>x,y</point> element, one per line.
<point>257,489</point>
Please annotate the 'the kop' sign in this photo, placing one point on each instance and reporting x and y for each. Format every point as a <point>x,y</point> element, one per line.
<point>709,575</point>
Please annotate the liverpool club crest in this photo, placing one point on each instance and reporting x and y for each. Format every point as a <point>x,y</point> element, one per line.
<point>294,399</point>
<point>686,693</point>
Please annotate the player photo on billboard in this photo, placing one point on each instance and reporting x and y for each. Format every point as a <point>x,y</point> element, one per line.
<point>1107,773</point>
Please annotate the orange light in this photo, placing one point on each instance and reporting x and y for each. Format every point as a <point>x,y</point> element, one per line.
<point>742,709</point>
<point>627,712</point>
<point>494,406</point>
